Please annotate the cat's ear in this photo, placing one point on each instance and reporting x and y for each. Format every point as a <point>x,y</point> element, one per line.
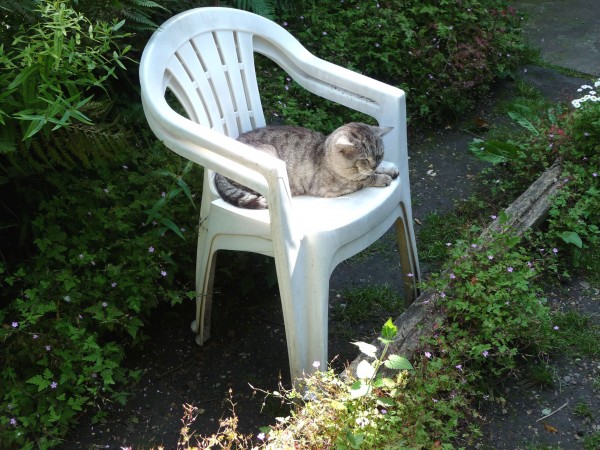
<point>343,144</point>
<point>381,131</point>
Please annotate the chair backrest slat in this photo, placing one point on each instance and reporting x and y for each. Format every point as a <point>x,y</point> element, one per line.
<point>233,70</point>
<point>214,78</point>
<point>245,54</point>
<point>183,81</point>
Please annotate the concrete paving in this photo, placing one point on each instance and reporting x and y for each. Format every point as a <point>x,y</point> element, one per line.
<point>567,32</point>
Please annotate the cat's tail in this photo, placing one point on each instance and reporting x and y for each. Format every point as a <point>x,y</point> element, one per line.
<point>239,195</point>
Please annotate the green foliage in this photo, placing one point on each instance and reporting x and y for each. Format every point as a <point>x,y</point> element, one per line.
<point>571,137</point>
<point>569,338</point>
<point>591,441</point>
<point>97,271</point>
<point>54,69</point>
<point>438,51</point>
<point>494,310</point>
<point>541,374</point>
<point>575,215</point>
<point>492,297</point>
<point>264,8</point>
<point>583,410</point>
<point>364,411</point>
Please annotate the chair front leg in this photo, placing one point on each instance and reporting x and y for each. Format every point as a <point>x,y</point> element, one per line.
<point>304,290</point>
<point>205,275</point>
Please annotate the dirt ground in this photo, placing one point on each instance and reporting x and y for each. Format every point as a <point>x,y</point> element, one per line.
<point>248,343</point>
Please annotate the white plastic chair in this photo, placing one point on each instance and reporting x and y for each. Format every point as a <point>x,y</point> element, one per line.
<point>205,57</point>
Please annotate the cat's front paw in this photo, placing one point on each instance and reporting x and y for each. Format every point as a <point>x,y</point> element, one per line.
<point>382,180</point>
<point>389,169</point>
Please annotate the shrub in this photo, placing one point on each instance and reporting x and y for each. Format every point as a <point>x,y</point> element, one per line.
<point>53,70</point>
<point>443,53</point>
<point>96,272</point>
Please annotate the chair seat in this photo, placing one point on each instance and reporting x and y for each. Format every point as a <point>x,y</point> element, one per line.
<point>348,216</point>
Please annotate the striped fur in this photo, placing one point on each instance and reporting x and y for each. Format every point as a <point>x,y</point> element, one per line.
<point>323,166</point>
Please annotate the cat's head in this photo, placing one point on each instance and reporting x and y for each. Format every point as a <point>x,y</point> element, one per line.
<point>355,150</point>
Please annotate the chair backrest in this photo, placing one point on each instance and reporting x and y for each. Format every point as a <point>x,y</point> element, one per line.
<point>207,61</point>
<point>213,77</point>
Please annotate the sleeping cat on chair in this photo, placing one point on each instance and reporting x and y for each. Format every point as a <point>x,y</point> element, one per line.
<point>322,166</point>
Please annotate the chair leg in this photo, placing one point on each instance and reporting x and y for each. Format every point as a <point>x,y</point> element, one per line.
<point>205,274</point>
<point>305,301</point>
<point>408,261</point>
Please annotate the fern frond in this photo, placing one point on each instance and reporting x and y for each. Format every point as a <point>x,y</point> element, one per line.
<point>265,8</point>
<point>79,145</point>
<point>139,18</point>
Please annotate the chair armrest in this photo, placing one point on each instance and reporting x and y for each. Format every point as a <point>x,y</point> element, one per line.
<point>215,151</point>
<point>385,103</point>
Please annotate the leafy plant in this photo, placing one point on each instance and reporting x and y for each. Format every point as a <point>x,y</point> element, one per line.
<point>361,302</point>
<point>572,138</point>
<point>53,70</point>
<point>348,414</point>
<point>98,271</point>
<point>583,409</point>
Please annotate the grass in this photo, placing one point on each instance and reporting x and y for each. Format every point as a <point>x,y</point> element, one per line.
<point>583,410</point>
<point>541,374</point>
<point>592,441</point>
<point>434,234</point>
<point>368,302</point>
<point>577,335</point>
<point>383,246</point>
<point>596,384</point>
<point>587,262</point>
<point>542,447</point>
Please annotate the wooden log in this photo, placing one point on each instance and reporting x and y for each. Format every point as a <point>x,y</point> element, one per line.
<point>527,211</point>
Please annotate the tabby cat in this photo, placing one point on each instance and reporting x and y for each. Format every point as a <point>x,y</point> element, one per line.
<point>323,166</point>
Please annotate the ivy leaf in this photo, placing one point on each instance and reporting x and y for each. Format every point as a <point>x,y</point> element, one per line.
<point>367,349</point>
<point>364,370</point>
<point>384,383</point>
<point>571,237</point>
<point>384,401</point>
<point>396,362</point>
<point>389,330</point>
<point>359,389</point>
<point>355,440</point>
